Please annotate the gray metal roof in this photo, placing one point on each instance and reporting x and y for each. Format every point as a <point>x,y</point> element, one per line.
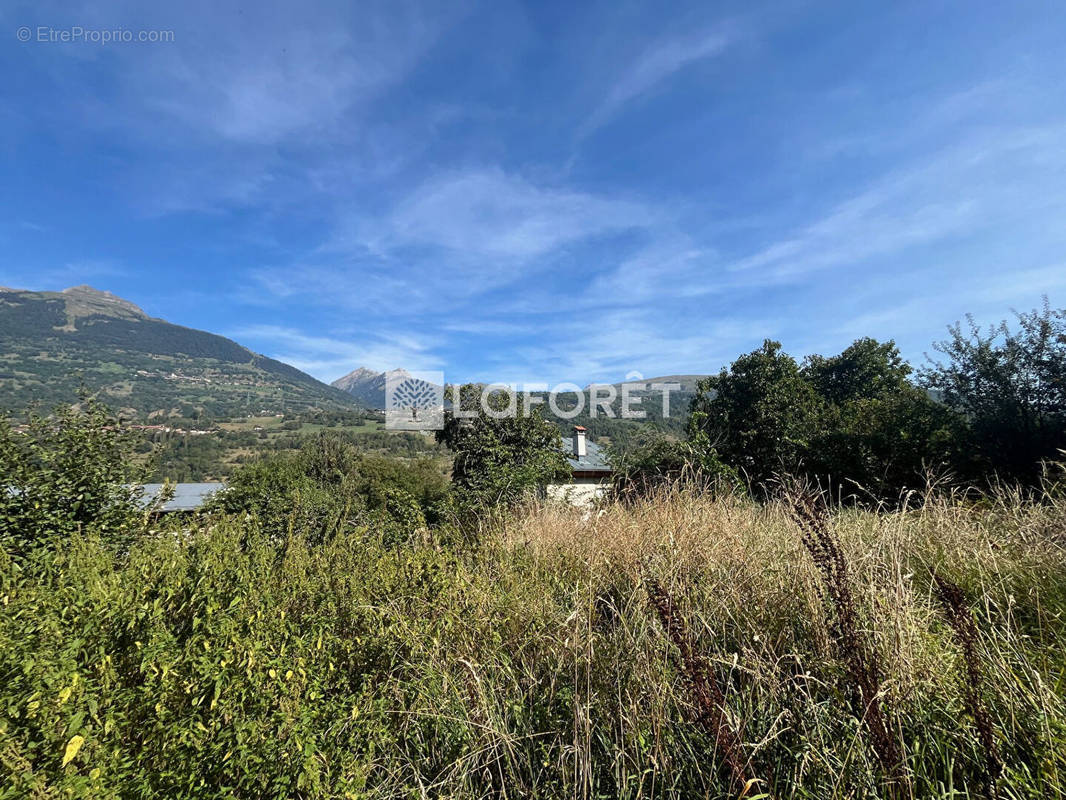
<point>595,459</point>
<point>187,496</point>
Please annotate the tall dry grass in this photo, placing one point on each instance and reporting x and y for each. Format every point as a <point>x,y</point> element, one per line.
<point>682,646</point>
<point>757,603</point>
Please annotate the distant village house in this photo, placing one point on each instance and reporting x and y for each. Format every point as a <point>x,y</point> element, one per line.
<point>187,496</point>
<point>591,474</point>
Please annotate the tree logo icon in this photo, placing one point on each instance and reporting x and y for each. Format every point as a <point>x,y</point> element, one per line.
<point>414,401</point>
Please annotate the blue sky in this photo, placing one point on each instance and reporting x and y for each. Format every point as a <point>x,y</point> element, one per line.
<point>541,191</point>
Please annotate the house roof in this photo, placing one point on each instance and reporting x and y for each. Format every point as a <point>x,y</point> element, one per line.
<point>187,496</point>
<point>594,460</point>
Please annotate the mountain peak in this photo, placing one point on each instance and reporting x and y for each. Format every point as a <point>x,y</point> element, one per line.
<point>362,373</point>
<point>366,372</point>
<point>88,300</point>
<point>368,386</point>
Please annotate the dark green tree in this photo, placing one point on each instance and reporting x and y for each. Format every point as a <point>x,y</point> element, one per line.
<point>866,369</point>
<point>852,421</point>
<point>758,416</point>
<point>1010,386</point>
<point>500,457</point>
<point>877,433</point>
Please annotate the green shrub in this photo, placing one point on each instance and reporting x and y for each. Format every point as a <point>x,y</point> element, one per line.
<point>328,486</point>
<point>1010,388</point>
<point>63,473</point>
<point>657,461</point>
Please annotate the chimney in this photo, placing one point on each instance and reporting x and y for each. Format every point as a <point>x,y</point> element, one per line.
<point>580,451</point>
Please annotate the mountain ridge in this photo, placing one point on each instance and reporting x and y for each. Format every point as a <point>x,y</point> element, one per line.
<point>54,342</point>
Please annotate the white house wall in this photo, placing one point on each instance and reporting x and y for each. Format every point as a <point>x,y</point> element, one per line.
<point>579,493</point>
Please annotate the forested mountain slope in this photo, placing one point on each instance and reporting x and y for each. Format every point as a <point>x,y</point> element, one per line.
<point>53,342</point>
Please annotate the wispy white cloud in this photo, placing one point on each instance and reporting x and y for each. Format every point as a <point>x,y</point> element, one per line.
<point>454,238</point>
<point>672,265</point>
<point>492,214</point>
<point>997,179</point>
<point>276,74</point>
<point>327,357</point>
<point>883,311</point>
<point>271,84</point>
<point>487,327</point>
<point>656,65</point>
<point>246,108</point>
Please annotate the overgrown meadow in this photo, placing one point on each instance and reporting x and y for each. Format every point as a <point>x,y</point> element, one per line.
<point>678,646</point>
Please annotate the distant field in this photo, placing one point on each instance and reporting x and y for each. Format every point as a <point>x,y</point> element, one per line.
<point>362,427</point>
<point>273,425</point>
<point>250,423</point>
<point>215,455</point>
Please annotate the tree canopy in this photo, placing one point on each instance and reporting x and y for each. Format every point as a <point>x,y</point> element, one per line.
<point>1010,386</point>
<point>758,415</point>
<point>853,421</point>
<point>500,455</point>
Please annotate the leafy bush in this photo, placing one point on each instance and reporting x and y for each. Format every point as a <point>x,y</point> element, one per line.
<point>758,416</point>
<point>877,434</point>
<point>658,461</point>
<point>217,666</point>
<point>328,486</point>
<point>63,473</point>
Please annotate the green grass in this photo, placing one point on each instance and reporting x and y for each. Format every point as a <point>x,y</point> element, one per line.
<point>366,426</point>
<point>251,423</point>
<point>527,661</point>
